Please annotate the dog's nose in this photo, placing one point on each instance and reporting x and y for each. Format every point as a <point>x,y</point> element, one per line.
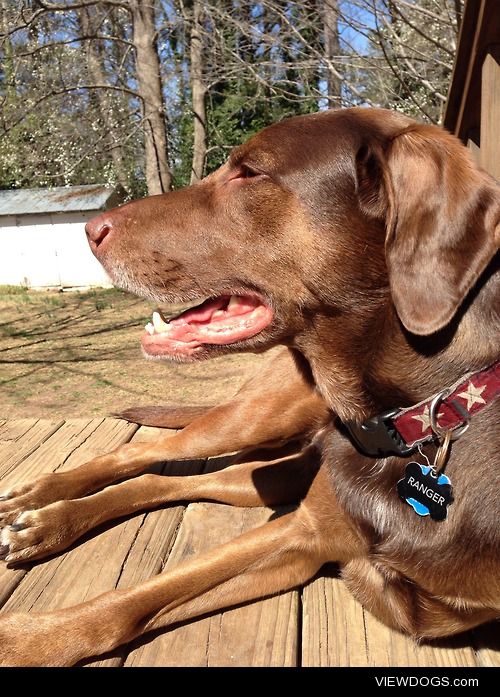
<point>97,230</point>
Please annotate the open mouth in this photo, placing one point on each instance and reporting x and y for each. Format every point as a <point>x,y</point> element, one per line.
<point>223,320</point>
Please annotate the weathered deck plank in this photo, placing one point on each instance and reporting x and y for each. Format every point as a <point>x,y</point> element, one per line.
<point>94,565</point>
<point>60,451</point>
<point>49,447</point>
<point>63,447</point>
<point>260,634</point>
<point>332,626</point>
<point>125,554</point>
<point>394,649</point>
<point>14,430</point>
<point>154,539</point>
<point>338,632</point>
<point>19,439</point>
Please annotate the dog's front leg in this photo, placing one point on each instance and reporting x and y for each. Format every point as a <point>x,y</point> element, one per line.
<point>280,555</point>
<point>36,534</point>
<point>262,413</point>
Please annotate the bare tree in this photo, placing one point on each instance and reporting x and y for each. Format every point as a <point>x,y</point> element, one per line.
<point>90,20</point>
<point>143,86</point>
<point>158,174</point>
<point>332,50</point>
<point>410,48</point>
<point>198,92</point>
<point>109,89</point>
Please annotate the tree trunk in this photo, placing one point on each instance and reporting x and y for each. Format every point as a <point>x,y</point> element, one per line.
<point>331,51</point>
<point>104,99</point>
<point>158,174</point>
<point>7,59</point>
<point>198,94</point>
<point>458,12</point>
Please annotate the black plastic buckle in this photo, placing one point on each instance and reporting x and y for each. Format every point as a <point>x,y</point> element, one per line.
<point>378,436</point>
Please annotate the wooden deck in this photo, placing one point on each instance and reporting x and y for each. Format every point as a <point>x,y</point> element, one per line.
<point>318,625</point>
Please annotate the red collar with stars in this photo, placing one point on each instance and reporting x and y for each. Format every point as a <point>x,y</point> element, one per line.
<point>400,431</point>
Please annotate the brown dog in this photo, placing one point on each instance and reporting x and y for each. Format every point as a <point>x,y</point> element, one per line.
<point>368,245</point>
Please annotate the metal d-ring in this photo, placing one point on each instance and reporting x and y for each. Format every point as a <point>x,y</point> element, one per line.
<point>441,432</point>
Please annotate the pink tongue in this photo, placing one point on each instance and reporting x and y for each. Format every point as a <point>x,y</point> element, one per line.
<point>203,313</point>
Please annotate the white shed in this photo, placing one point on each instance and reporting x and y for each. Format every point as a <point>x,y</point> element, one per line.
<point>42,237</point>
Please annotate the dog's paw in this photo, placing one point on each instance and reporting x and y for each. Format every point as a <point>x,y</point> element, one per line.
<point>39,533</point>
<point>40,492</point>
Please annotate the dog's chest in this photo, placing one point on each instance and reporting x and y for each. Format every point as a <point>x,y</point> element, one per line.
<point>369,491</point>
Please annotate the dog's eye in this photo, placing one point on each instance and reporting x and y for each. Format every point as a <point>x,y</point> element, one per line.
<point>244,172</point>
<point>247,172</point>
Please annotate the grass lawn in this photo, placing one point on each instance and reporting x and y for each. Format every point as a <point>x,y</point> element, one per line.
<point>78,354</point>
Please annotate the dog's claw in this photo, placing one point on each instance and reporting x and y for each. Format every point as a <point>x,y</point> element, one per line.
<point>4,551</point>
<point>15,527</point>
<point>4,498</point>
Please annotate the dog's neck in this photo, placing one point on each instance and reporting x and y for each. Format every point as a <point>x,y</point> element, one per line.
<point>366,363</point>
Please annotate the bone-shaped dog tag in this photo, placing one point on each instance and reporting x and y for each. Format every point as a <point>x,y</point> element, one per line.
<point>428,493</point>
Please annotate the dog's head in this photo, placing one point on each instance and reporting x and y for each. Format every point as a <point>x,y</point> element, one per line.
<point>319,226</point>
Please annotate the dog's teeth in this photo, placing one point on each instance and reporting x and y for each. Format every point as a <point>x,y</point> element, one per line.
<point>158,323</point>
<point>149,328</point>
<point>218,313</point>
<point>235,300</point>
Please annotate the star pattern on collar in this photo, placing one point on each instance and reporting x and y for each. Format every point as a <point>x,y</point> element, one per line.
<point>425,418</point>
<point>472,395</point>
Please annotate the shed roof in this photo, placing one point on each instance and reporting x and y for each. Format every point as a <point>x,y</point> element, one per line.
<point>91,197</point>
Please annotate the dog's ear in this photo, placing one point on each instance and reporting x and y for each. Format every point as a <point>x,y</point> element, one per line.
<point>443,217</point>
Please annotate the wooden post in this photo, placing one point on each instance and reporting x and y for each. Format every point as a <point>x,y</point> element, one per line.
<point>475,150</point>
<point>490,113</point>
